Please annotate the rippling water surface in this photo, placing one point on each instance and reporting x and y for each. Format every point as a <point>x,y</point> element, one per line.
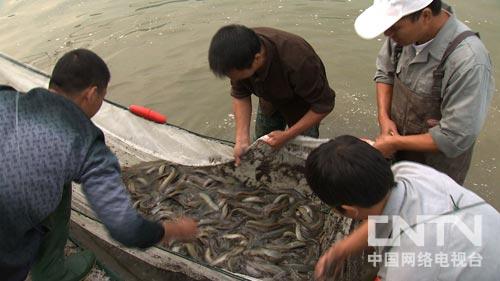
<point>157,52</point>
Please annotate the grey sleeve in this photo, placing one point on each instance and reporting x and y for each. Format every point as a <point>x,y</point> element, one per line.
<point>464,109</point>
<point>105,192</point>
<point>385,65</point>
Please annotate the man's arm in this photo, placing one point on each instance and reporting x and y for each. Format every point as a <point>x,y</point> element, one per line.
<point>331,262</point>
<point>388,145</point>
<point>277,139</point>
<point>242,108</point>
<point>384,99</point>
<point>384,79</point>
<point>104,189</point>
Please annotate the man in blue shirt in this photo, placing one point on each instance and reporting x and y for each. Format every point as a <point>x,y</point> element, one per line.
<point>49,141</point>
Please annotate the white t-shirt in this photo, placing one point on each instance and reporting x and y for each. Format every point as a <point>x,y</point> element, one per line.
<point>419,48</point>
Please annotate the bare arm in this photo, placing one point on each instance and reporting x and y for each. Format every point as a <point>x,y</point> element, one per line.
<point>423,142</point>
<point>384,99</point>
<point>331,263</point>
<point>388,145</point>
<point>277,139</point>
<point>310,119</point>
<point>242,108</point>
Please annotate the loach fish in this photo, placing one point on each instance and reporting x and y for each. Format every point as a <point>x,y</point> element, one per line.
<point>225,211</point>
<point>168,180</point>
<point>259,231</point>
<point>151,170</point>
<point>266,267</point>
<point>162,168</point>
<point>253,199</point>
<point>142,181</point>
<point>209,201</point>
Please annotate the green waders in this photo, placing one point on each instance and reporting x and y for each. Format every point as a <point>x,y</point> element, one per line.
<point>50,263</point>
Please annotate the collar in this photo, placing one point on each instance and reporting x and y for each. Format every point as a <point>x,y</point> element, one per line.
<point>270,54</point>
<point>438,45</point>
<point>444,37</point>
<point>421,47</point>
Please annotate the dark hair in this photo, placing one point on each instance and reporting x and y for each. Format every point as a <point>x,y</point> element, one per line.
<point>77,70</point>
<point>435,7</point>
<point>232,47</point>
<point>348,171</point>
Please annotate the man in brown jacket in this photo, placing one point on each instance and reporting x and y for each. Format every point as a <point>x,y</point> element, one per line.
<point>284,71</point>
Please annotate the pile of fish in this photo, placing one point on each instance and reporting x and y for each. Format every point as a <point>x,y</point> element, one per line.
<point>258,231</point>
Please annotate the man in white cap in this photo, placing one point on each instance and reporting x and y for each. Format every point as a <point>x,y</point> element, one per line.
<point>434,83</point>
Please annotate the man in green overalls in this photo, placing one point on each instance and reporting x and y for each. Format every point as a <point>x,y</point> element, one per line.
<point>434,83</point>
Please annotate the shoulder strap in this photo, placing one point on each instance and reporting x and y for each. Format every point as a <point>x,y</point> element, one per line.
<point>398,49</point>
<point>438,73</point>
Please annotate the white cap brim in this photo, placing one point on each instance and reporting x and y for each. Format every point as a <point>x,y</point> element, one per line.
<point>375,21</point>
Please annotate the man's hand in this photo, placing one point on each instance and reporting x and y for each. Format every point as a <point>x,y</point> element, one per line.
<point>182,229</point>
<point>276,139</point>
<point>240,148</point>
<point>331,262</point>
<point>387,127</point>
<point>386,145</point>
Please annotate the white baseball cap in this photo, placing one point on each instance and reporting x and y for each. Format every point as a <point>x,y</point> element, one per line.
<point>383,14</point>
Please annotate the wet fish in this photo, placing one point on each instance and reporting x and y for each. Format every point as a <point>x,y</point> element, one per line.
<point>162,168</point>
<point>234,236</point>
<point>192,251</point>
<point>209,201</point>
<point>150,170</point>
<point>255,230</point>
<point>253,199</point>
<point>168,180</point>
<point>267,253</point>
